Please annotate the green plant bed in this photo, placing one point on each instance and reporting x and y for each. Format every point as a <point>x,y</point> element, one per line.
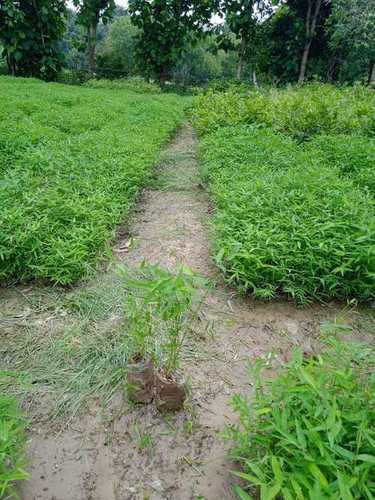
<point>284,223</point>
<point>12,447</point>
<point>353,156</point>
<point>73,160</point>
<point>300,112</point>
<point>309,433</point>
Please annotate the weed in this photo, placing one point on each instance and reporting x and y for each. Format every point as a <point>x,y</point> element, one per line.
<point>144,440</point>
<point>309,433</point>
<point>12,446</point>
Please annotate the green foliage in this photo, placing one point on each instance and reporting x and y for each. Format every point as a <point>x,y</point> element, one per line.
<point>285,223</point>
<point>244,18</point>
<point>160,310</point>
<point>90,13</point>
<point>352,29</point>
<point>83,157</point>
<point>12,446</point>
<point>30,32</point>
<point>354,157</point>
<point>134,84</point>
<point>309,433</point>
<point>166,28</point>
<point>117,55</point>
<point>299,112</point>
<point>198,65</point>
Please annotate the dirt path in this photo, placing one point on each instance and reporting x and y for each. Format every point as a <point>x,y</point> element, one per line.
<point>138,453</point>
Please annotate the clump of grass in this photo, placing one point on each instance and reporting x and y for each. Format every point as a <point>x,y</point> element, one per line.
<point>75,173</point>
<point>12,446</point>
<point>285,224</point>
<point>309,433</point>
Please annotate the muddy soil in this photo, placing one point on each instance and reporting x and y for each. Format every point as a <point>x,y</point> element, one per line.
<point>135,452</point>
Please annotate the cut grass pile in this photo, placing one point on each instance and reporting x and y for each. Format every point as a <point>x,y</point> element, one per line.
<point>292,218</point>
<point>12,446</point>
<point>309,433</point>
<point>72,163</point>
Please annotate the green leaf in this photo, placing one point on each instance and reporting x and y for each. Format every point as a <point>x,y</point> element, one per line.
<point>242,493</point>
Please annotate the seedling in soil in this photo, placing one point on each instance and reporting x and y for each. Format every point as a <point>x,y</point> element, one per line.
<point>145,441</point>
<point>161,310</point>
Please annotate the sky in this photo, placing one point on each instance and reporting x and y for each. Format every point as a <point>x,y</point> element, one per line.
<point>123,3</point>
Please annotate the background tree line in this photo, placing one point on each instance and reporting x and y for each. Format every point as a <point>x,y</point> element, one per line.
<point>192,41</point>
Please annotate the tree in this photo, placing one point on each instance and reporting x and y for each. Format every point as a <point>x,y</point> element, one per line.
<point>198,65</point>
<point>30,32</point>
<point>167,28</point>
<point>312,18</point>
<point>244,17</point>
<point>352,26</point>
<point>117,54</point>
<point>283,41</point>
<point>90,13</point>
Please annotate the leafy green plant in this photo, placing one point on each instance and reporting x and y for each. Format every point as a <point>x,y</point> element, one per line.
<point>354,157</point>
<point>309,433</point>
<point>12,446</point>
<point>284,223</point>
<point>134,84</point>
<point>161,312</point>
<point>80,159</point>
<point>298,112</point>
<point>30,36</point>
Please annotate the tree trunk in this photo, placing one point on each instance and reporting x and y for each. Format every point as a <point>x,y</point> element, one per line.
<point>371,80</point>
<point>11,65</point>
<point>255,80</point>
<point>91,47</point>
<point>310,28</point>
<point>305,58</point>
<point>241,58</point>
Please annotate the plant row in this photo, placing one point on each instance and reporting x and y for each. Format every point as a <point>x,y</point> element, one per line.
<point>287,223</point>
<point>73,161</point>
<point>300,112</point>
<point>292,175</point>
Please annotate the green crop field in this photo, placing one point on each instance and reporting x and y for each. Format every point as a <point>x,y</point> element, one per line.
<point>72,161</point>
<point>292,175</point>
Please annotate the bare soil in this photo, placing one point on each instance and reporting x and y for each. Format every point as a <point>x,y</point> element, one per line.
<point>136,452</point>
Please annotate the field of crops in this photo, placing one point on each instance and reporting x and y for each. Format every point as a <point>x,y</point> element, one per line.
<point>72,161</point>
<point>292,175</point>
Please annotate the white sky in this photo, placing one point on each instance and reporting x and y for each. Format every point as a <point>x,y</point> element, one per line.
<point>123,3</point>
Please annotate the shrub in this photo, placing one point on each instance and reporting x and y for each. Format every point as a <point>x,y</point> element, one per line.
<point>354,157</point>
<point>300,112</point>
<point>76,171</point>
<point>12,446</point>
<point>135,84</point>
<point>309,433</point>
<point>284,223</point>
